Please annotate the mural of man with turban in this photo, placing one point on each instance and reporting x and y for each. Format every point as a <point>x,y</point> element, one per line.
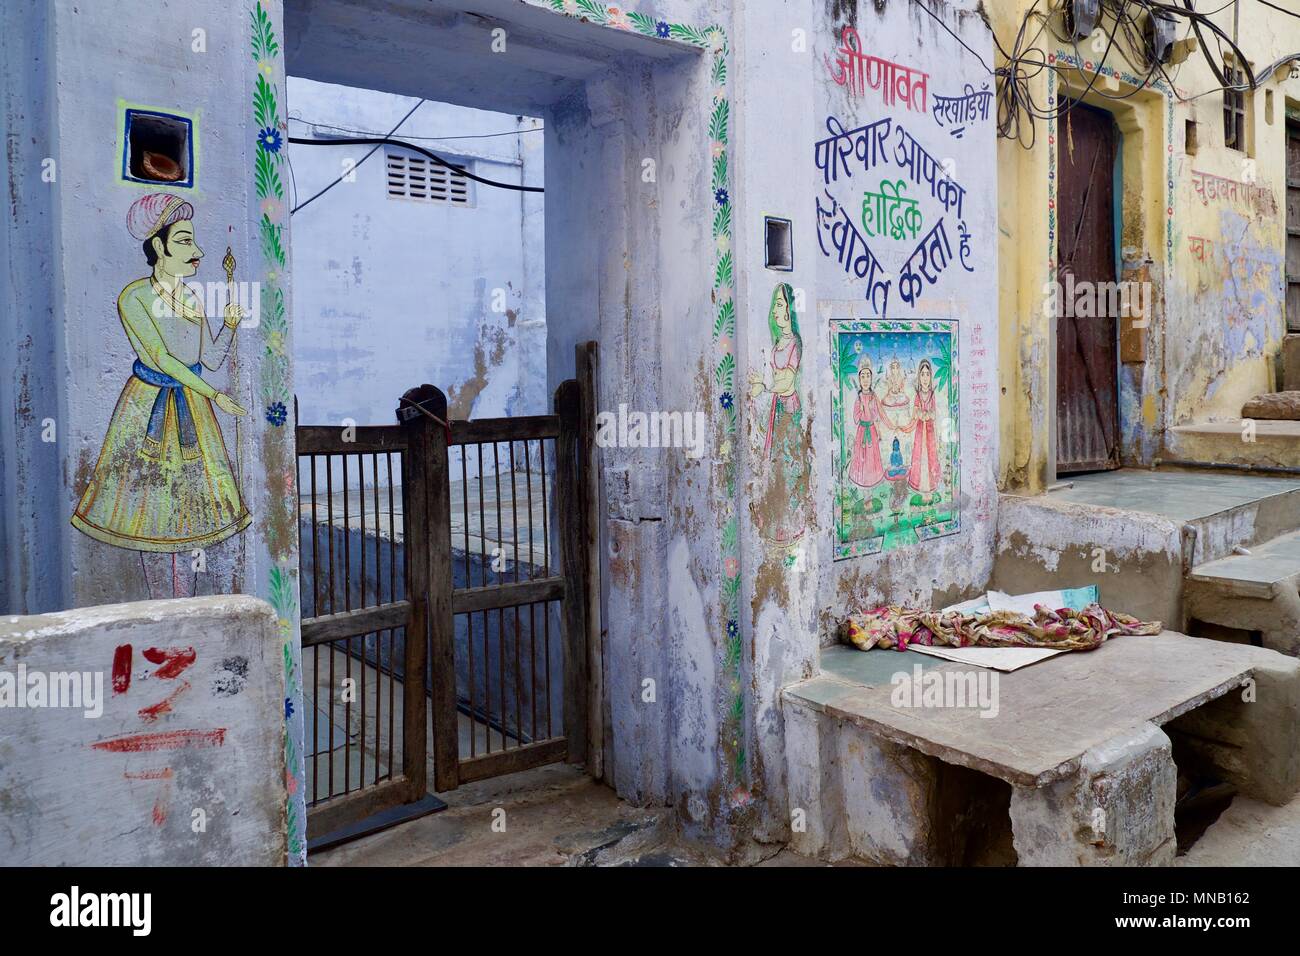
<point>163,484</point>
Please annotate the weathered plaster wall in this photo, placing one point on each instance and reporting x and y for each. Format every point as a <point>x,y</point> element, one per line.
<point>71,355</point>
<point>794,591</point>
<point>399,292</point>
<point>173,758</point>
<point>1212,250</point>
<point>32,575</point>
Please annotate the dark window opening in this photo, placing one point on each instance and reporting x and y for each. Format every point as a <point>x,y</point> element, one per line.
<point>159,148</point>
<point>779,243</point>
<point>1234,110</point>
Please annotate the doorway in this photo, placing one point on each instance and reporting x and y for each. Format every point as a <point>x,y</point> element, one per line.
<point>1087,312</point>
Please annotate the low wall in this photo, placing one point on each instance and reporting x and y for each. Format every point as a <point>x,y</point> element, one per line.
<point>166,744</point>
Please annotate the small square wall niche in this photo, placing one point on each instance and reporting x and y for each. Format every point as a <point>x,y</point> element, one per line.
<point>778,242</point>
<point>157,148</point>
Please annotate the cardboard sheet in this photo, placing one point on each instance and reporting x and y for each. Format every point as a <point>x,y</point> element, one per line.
<point>1005,659</point>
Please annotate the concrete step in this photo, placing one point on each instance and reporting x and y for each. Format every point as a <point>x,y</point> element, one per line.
<point>1256,593</point>
<point>1135,533</point>
<point>1262,573</point>
<point>1276,444</point>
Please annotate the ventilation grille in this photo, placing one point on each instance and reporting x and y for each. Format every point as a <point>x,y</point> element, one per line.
<point>421,179</point>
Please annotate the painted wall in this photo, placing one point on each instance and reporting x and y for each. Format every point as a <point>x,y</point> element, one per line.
<point>1204,226</point>
<point>399,292</point>
<point>78,412</point>
<point>798,579</point>
<point>157,741</point>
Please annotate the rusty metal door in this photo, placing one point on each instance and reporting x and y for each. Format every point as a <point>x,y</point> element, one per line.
<point>1087,388</point>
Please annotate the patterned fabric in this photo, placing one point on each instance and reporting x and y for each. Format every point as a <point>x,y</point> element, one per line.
<point>1065,629</point>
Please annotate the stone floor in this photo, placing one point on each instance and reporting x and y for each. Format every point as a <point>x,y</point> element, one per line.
<point>1182,495</point>
<point>553,816</point>
<point>1249,833</point>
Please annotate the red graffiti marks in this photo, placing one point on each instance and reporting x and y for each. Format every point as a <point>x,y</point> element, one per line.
<point>163,740</point>
<point>160,805</point>
<point>122,669</point>
<point>173,660</point>
<point>164,706</point>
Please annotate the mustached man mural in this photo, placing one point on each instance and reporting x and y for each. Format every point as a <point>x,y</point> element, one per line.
<point>163,484</point>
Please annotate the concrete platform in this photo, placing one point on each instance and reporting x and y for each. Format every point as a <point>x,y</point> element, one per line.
<point>1049,714</point>
<point>1256,594</point>
<point>1076,763</point>
<point>1136,533</point>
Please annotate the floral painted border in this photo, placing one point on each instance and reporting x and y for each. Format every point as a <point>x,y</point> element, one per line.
<point>1065,58</point>
<point>273,328</point>
<point>713,39</point>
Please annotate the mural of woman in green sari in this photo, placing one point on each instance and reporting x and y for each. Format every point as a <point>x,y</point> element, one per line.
<point>781,518</point>
<point>163,483</point>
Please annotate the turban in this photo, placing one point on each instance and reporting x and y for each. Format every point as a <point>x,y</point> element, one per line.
<point>150,214</point>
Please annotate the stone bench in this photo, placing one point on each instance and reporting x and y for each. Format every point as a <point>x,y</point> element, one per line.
<point>1076,768</point>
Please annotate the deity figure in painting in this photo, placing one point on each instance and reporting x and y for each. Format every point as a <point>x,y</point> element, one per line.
<point>865,467</point>
<point>784,443</point>
<point>923,475</point>
<point>163,484</point>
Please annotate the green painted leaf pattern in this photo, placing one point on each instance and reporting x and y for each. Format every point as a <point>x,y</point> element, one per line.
<point>266,177</point>
<point>718,122</point>
<point>722,274</point>
<point>264,106</point>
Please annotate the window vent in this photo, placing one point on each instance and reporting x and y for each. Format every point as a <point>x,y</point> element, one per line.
<point>421,179</point>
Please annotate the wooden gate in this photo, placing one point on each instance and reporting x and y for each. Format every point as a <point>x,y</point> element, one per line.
<point>446,569</point>
<point>1087,388</point>
<point>364,689</point>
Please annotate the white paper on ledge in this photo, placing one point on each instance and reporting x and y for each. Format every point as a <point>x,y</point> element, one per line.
<point>1004,659</point>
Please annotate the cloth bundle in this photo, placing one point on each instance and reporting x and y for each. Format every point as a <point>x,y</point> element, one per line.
<point>1064,629</point>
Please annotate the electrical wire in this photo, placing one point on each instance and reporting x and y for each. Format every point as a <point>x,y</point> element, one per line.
<point>381,140</point>
<point>309,142</point>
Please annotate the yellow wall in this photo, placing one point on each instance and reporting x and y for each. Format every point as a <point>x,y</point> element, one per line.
<point>1217,322</point>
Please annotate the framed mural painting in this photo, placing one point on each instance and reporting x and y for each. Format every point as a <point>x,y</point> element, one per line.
<point>896,428</point>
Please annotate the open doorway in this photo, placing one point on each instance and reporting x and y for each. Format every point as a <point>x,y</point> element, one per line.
<point>623,231</point>
<point>1087,333</point>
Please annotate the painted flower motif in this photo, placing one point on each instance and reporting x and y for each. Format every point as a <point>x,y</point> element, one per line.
<point>290,782</point>
<point>276,413</point>
<point>288,708</point>
<point>618,19</point>
<point>726,400</point>
<point>721,197</point>
<point>715,40</point>
<point>275,341</point>
<point>725,450</point>
<point>724,243</point>
<point>733,628</point>
<point>662,29</point>
<point>270,139</point>
<point>266,68</point>
<point>731,567</point>
<point>272,208</point>
<point>571,7</point>
<point>719,149</point>
<point>724,343</point>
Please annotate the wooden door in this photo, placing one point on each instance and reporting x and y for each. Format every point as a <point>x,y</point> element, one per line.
<point>1292,226</point>
<point>1087,400</point>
